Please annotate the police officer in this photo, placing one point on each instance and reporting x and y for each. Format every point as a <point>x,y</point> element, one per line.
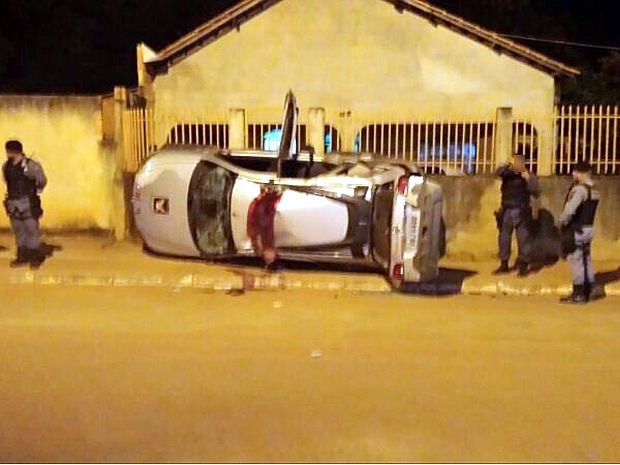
<point>25,180</point>
<point>576,221</point>
<point>518,186</point>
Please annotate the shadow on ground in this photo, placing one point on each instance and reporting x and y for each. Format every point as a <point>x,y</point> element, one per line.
<point>449,281</point>
<point>545,242</point>
<point>297,265</point>
<point>607,277</point>
<point>48,249</point>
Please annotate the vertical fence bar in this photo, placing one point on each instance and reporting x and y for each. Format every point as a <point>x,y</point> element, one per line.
<point>478,149</point>
<point>607,120</point>
<point>599,154</point>
<point>411,157</point>
<point>569,142</point>
<point>462,147</point>
<point>439,155</point>
<point>577,132</point>
<point>584,121</point>
<point>533,142</point>
<point>560,158</point>
<point>614,141</point>
<point>493,160</point>
<point>448,129</point>
<point>591,121</point>
<point>433,151</point>
<point>419,141</point>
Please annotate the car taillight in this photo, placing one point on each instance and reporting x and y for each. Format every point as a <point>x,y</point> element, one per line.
<point>398,272</point>
<point>403,184</point>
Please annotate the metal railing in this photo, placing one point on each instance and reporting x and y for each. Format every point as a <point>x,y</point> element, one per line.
<point>436,146</point>
<point>588,133</point>
<point>264,127</point>
<point>138,135</point>
<point>141,134</point>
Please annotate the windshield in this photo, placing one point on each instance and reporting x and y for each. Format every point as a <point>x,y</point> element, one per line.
<point>209,208</point>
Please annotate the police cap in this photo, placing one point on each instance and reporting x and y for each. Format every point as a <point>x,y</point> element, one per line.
<point>582,167</point>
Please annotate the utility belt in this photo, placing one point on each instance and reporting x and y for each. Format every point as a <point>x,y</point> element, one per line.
<point>568,242</point>
<point>24,207</point>
<point>526,210</point>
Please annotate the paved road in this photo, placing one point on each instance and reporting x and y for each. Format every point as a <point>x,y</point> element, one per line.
<point>157,375</point>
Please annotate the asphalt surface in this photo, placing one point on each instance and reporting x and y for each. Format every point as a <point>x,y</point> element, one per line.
<point>170,374</point>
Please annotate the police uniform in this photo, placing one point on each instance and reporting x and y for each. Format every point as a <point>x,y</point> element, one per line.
<point>577,221</point>
<point>514,214</point>
<point>24,179</point>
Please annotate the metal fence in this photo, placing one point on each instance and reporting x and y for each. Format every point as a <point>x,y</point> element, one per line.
<point>138,134</point>
<point>589,133</point>
<point>436,146</point>
<point>142,131</point>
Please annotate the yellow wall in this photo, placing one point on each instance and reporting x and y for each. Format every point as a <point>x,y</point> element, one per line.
<point>63,133</point>
<point>358,55</point>
<point>470,203</point>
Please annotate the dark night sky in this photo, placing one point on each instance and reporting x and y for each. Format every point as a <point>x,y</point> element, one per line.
<point>88,46</point>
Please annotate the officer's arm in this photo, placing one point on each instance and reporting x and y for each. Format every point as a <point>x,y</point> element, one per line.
<point>578,194</point>
<point>35,172</point>
<point>502,169</point>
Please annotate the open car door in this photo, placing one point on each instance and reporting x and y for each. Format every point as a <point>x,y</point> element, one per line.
<point>288,142</point>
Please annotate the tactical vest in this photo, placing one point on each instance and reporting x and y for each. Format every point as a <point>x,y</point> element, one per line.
<point>514,190</point>
<point>18,185</point>
<point>585,213</point>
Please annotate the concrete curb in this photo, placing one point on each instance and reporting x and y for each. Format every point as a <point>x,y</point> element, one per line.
<point>278,281</point>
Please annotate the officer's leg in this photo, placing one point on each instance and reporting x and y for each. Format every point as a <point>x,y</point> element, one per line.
<point>575,261</point>
<point>524,244</point>
<point>35,257</point>
<point>504,241</point>
<point>505,236</point>
<point>594,291</point>
<point>589,265</point>
<point>18,227</point>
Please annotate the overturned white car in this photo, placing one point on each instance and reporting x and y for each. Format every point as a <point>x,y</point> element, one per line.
<point>345,208</point>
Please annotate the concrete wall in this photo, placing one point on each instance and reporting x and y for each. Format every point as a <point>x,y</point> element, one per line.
<point>360,56</point>
<point>64,134</point>
<point>470,201</point>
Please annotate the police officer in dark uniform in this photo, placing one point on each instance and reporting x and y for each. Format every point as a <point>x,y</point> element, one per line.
<point>518,186</point>
<point>577,225</point>
<point>25,180</point>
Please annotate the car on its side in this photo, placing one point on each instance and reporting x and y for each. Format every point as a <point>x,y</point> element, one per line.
<point>344,208</point>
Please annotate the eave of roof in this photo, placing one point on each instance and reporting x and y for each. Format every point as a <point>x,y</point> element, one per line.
<point>245,10</point>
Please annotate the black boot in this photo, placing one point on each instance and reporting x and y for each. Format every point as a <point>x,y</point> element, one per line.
<point>503,268</point>
<point>577,297</point>
<point>21,259</point>
<point>35,258</point>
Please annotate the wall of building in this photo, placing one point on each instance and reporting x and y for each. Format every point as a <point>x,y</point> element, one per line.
<point>64,133</point>
<point>356,56</point>
<point>469,203</point>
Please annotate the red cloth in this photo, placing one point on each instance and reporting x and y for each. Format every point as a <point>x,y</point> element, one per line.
<point>261,218</point>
